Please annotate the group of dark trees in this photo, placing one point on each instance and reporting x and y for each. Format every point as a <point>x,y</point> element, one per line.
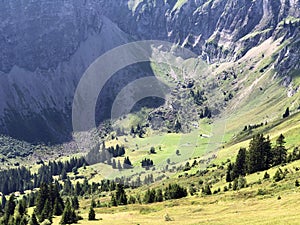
<point>127,163</point>
<point>46,172</point>
<point>107,155</point>
<point>116,152</point>
<point>146,163</point>
<point>260,156</point>
<point>172,191</point>
<point>12,180</point>
<point>254,126</point>
<point>15,212</point>
<point>48,203</point>
<point>21,179</point>
<point>120,197</point>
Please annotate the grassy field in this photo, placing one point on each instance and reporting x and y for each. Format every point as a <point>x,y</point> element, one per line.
<point>219,209</point>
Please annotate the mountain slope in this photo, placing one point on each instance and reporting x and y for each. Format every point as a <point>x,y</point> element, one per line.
<point>47,45</point>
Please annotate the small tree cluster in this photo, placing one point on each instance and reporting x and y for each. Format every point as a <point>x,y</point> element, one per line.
<point>120,197</point>
<point>146,163</point>
<point>69,215</point>
<point>49,202</point>
<point>117,151</point>
<point>259,157</point>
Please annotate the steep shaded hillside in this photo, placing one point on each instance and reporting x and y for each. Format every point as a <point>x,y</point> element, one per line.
<point>47,45</point>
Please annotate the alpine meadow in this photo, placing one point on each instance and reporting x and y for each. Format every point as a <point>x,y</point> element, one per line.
<point>136,112</point>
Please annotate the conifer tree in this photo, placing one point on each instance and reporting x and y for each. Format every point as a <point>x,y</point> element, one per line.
<point>279,152</point>
<point>114,165</point>
<point>286,113</point>
<point>113,200</point>
<point>10,205</point>
<point>121,197</point>
<point>46,212</point>
<point>69,215</point>
<point>260,156</point>
<point>119,165</point>
<point>240,166</point>
<point>43,195</point>
<point>159,196</point>
<point>75,202</point>
<point>33,220</point>
<point>92,214</point>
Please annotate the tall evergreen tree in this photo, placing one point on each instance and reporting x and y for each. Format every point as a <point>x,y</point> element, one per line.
<point>159,196</point>
<point>33,220</point>
<point>259,154</point>
<point>113,200</point>
<point>240,166</point>
<point>286,113</point>
<point>42,197</point>
<point>69,216</point>
<point>121,197</point>
<point>279,152</point>
<point>75,202</point>
<point>10,206</point>
<point>92,214</point>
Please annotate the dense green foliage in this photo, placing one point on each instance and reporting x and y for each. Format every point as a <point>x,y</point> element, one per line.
<point>259,157</point>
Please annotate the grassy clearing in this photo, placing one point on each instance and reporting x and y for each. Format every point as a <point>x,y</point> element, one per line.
<point>230,208</point>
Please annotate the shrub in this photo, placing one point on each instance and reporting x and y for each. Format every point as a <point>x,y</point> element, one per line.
<point>261,192</point>
<point>266,175</point>
<point>206,190</point>
<point>92,215</point>
<point>167,217</point>
<point>279,175</point>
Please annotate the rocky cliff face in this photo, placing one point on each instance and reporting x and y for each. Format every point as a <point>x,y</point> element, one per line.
<point>216,28</point>
<point>46,45</point>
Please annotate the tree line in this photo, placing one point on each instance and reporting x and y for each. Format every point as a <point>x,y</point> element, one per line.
<point>20,179</point>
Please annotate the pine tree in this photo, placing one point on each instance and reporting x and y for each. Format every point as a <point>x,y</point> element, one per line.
<point>260,156</point>
<point>127,163</point>
<point>150,196</point>
<point>113,200</point>
<point>240,166</point>
<point>279,152</point>
<point>92,215</point>
<point>69,215</point>
<point>93,203</point>
<point>229,176</point>
<point>286,113</point>
<point>114,165</point>
<point>121,197</point>
<point>119,165</point>
<point>22,207</point>
<point>47,211</point>
<point>10,206</point>
<point>43,195</point>
<point>75,203</point>
<point>159,196</point>
<point>206,190</point>
<point>57,208</point>
<point>33,220</point>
